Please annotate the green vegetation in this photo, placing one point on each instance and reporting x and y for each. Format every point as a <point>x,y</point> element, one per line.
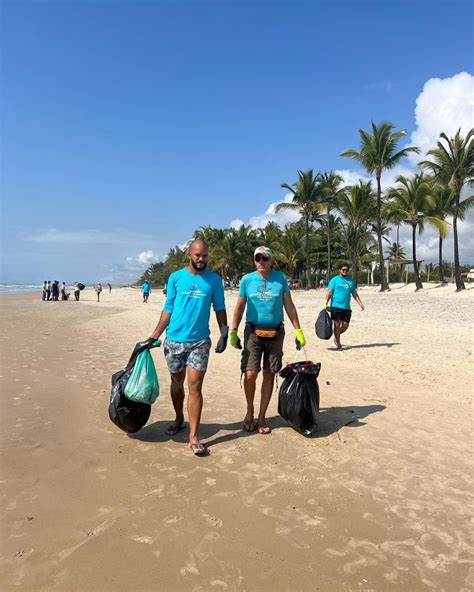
<point>350,223</point>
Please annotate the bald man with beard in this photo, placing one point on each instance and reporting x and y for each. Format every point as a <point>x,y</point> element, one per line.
<point>191,292</point>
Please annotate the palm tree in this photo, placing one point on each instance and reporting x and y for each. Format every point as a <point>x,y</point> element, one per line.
<point>378,151</point>
<point>444,208</point>
<point>396,251</point>
<point>357,205</point>
<point>453,165</point>
<point>413,200</point>
<point>305,192</point>
<point>331,190</point>
<point>290,251</point>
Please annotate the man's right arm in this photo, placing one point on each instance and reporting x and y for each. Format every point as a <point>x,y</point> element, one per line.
<point>238,312</point>
<point>162,324</point>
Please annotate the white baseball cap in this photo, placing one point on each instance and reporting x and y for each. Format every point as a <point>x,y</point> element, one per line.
<point>265,251</point>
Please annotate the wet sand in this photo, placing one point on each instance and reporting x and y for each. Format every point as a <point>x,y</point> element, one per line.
<point>380,500</point>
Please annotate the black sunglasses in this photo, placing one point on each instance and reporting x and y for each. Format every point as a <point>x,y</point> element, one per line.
<point>259,258</point>
<point>345,269</point>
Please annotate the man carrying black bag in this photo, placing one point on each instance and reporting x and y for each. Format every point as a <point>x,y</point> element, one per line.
<point>265,293</point>
<point>339,292</point>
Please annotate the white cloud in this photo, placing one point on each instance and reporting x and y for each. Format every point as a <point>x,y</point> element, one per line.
<point>53,235</point>
<point>271,215</point>
<point>141,261</point>
<point>444,105</point>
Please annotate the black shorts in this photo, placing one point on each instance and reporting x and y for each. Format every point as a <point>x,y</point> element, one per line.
<point>340,314</point>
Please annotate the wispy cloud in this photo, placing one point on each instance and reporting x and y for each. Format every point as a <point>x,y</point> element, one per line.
<point>380,86</point>
<point>54,235</point>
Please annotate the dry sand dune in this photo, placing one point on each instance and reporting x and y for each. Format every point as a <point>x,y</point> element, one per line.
<point>380,500</point>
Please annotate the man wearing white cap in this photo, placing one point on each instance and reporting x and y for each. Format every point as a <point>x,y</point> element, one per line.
<point>265,292</point>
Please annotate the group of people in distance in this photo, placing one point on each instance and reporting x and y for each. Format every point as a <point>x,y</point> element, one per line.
<point>53,291</point>
<point>264,294</point>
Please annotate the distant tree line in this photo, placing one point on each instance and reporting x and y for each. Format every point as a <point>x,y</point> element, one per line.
<point>352,223</point>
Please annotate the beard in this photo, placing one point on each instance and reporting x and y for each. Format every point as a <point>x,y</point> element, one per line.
<point>201,266</point>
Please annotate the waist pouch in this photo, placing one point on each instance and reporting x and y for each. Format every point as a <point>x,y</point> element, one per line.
<point>266,332</point>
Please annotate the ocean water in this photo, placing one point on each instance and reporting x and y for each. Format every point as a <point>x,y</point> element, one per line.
<point>20,288</point>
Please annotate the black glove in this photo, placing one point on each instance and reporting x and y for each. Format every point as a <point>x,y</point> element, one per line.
<point>222,343</point>
<point>149,343</point>
<point>298,345</point>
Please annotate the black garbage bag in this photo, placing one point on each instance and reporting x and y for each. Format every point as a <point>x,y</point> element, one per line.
<point>80,286</point>
<point>129,416</point>
<point>298,400</point>
<point>323,325</point>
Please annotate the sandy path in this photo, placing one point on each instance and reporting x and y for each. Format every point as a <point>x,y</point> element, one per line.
<point>380,500</point>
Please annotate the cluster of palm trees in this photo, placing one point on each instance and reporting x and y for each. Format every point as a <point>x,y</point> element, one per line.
<point>338,222</point>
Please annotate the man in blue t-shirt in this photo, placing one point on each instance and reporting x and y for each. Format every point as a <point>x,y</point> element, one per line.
<point>146,289</point>
<point>191,292</point>
<point>265,292</point>
<point>339,292</point>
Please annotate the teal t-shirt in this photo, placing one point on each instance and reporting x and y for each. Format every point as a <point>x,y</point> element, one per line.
<point>264,297</point>
<point>188,299</point>
<point>146,288</point>
<point>341,288</point>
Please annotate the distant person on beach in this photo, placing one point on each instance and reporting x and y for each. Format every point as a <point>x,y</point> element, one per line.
<point>338,294</point>
<point>48,290</point>
<point>98,290</point>
<point>265,293</point>
<point>45,290</point>
<point>55,290</point>
<point>110,288</point>
<point>63,291</point>
<point>77,292</point>
<point>146,289</point>
<point>190,293</point>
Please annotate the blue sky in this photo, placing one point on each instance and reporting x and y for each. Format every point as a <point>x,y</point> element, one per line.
<point>125,126</point>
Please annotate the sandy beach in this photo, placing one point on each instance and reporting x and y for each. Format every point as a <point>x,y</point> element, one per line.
<point>380,500</point>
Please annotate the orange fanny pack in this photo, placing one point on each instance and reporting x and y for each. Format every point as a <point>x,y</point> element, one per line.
<point>266,333</point>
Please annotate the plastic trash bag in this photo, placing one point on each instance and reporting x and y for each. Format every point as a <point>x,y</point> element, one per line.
<point>129,416</point>
<point>142,386</point>
<point>323,325</point>
<point>298,399</point>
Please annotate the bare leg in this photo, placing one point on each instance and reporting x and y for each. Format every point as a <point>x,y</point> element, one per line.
<point>337,334</point>
<point>195,380</point>
<point>267,389</point>
<point>250,381</point>
<point>177,395</point>
<point>344,326</point>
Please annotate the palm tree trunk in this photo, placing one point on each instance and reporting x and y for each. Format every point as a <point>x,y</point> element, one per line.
<point>307,252</point>
<point>355,250</point>
<point>329,247</point>
<point>440,261</point>
<point>419,285</point>
<point>383,280</point>
<point>457,268</point>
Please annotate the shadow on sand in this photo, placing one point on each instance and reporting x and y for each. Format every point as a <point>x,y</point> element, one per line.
<point>331,420</point>
<point>364,346</point>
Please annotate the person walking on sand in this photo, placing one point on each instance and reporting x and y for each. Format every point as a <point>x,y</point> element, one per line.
<point>265,293</point>
<point>190,293</point>
<point>55,290</point>
<point>45,288</point>
<point>146,289</point>
<point>98,290</point>
<point>110,288</point>
<point>48,290</point>
<point>77,291</point>
<point>339,292</point>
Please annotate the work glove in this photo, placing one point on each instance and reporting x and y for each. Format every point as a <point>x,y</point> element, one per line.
<point>150,342</point>
<point>235,340</point>
<point>300,340</point>
<point>222,343</point>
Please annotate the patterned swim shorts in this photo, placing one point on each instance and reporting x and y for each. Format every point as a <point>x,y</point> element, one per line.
<point>179,355</point>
